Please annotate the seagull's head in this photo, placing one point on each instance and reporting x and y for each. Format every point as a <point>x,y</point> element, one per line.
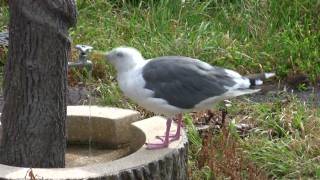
<point>124,58</point>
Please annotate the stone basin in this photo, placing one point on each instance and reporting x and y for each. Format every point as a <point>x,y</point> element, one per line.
<point>122,155</point>
<point>107,127</point>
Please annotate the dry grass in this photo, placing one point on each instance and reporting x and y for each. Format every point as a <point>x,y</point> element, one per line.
<point>282,143</point>
<point>222,154</point>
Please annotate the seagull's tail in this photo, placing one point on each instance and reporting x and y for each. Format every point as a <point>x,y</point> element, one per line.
<point>257,79</point>
<point>246,84</point>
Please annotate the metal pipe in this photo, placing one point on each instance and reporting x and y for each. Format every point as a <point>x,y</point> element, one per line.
<point>83,60</point>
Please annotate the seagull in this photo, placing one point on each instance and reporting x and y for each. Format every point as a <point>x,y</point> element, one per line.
<point>172,85</point>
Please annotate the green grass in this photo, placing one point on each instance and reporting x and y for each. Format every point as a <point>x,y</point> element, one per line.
<point>110,95</point>
<point>4,15</point>
<point>246,35</point>
<point>287,143</point>
<point>283,144</point>
<point>249,36</point>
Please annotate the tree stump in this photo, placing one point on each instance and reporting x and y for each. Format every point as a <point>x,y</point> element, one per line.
<point>172,166</point>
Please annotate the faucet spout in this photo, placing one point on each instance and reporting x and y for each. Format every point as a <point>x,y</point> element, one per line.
<point>83,60</point>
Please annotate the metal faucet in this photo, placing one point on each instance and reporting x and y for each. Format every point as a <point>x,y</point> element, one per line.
<point>83,60</point>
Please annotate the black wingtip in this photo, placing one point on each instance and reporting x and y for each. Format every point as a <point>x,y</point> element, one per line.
<point>257,79</point>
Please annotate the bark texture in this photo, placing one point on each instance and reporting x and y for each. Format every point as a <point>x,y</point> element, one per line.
<point>34,112</point>
<point>173,166</point>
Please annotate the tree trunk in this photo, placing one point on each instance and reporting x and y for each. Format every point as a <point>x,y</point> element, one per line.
<point>35,84</point>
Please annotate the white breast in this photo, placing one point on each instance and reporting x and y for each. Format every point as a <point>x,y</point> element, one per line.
<point>132,84</point>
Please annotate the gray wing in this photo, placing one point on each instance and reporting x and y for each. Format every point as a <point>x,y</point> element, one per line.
<point>184,82</point>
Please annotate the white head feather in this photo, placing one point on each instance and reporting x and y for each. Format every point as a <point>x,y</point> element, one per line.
<point>124,58</point>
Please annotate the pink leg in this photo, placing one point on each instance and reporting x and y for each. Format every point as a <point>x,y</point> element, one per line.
<point>165,142</point>
<point>175,136</point>
<point>178,133</point>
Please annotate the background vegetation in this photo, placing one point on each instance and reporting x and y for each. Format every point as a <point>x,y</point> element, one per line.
<point>249,36</point>
<point>245,35</point>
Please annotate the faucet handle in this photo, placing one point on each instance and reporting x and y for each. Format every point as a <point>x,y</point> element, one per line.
<point>84,49</point>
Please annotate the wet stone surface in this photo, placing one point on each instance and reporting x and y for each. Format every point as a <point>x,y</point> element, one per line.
<point>83,155</point>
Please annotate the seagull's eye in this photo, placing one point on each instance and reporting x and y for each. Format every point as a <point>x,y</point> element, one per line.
<point>119,54</point>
